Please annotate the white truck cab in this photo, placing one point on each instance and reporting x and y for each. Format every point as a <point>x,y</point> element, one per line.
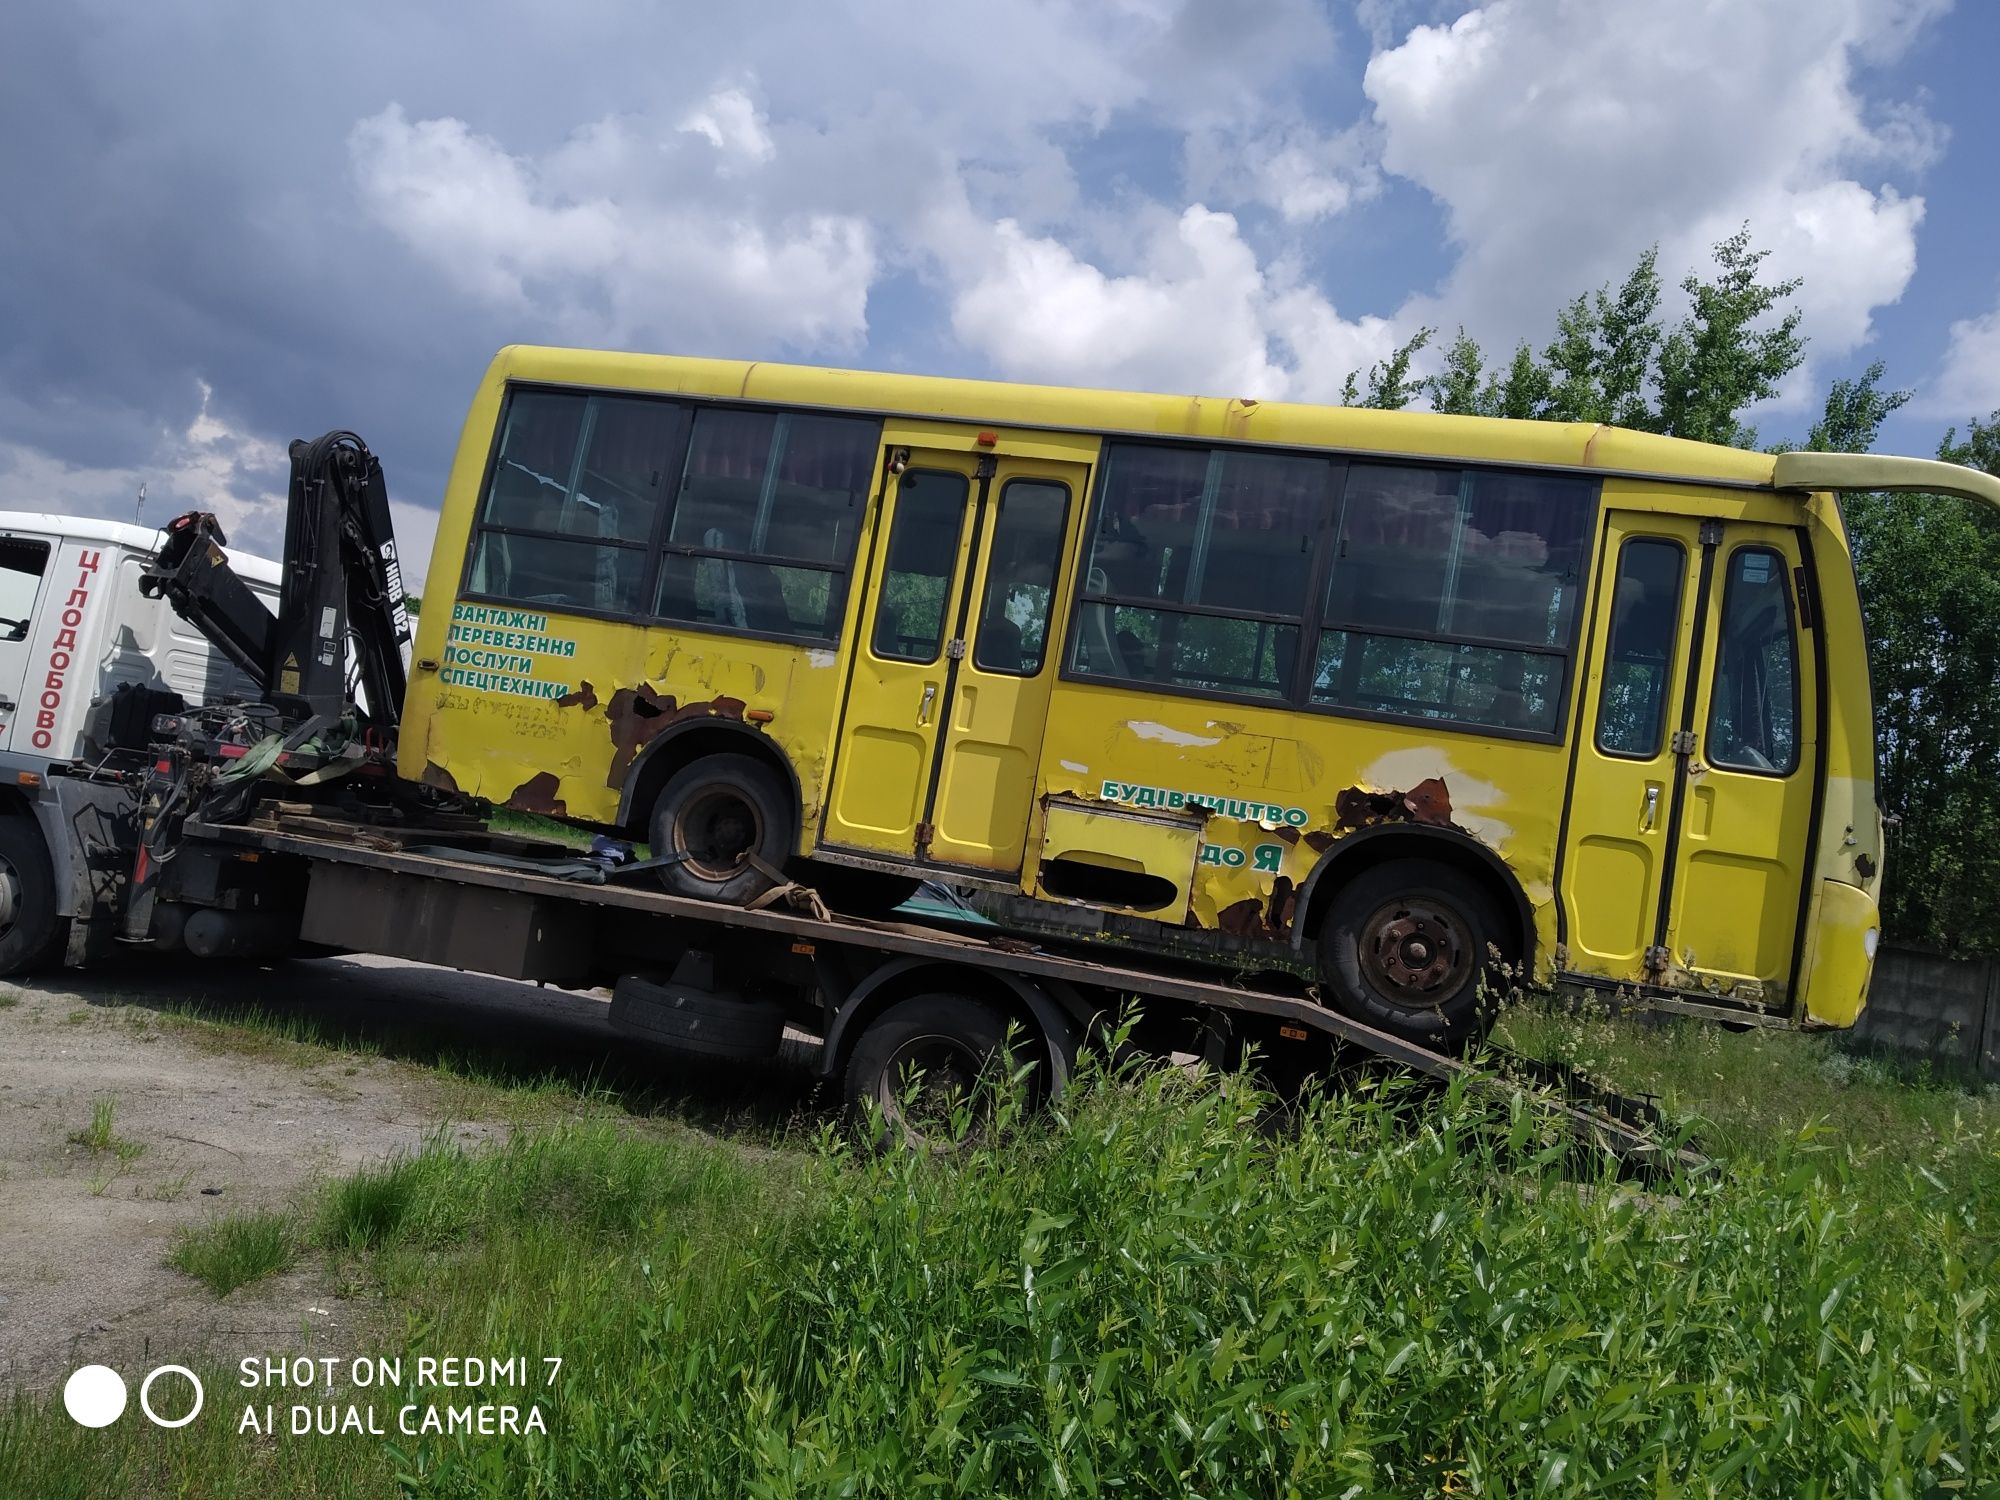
<point>74,628</point>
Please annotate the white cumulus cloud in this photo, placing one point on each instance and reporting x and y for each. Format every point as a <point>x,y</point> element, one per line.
<point>1562,137</point>
<point>1968,380</point>
<point>608,242</point>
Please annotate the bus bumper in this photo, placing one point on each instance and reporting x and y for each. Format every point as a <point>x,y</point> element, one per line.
<point>1841,939</point>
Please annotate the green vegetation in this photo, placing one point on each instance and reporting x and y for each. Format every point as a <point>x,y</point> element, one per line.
<point>99,1138</point>
<point>235,1250</point>
<point>1401,1291</point>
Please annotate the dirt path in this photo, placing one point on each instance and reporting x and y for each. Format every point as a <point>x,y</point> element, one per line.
<point>224,1118</point>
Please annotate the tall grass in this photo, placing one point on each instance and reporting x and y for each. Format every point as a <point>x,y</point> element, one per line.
<point>235,1250</point>
<point>1150,1293</point>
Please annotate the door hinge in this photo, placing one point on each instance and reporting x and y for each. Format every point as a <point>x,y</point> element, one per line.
<point>1682,743</point>
<point>925,833</point>
<point>1657,959</point>
<point>955,649</point>
<point>986,467</point>
<point>1711,533</point>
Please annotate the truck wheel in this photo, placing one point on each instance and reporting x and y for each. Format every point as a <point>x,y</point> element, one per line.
<point>1404,948</point>
<point>711,816</point>
<point>32,936</point>
<point>940,1046</point>
<point>684,1020</point>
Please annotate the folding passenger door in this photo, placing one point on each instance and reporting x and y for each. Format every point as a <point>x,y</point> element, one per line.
<point>1615,856</point>
<point>1744,822</point>
<point>1690,808</point>
<point>940,737</point>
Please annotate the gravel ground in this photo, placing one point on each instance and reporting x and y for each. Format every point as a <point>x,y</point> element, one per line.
<point>227,1118</point>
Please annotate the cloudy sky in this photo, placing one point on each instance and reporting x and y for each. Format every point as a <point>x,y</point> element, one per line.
<point>229,223</point>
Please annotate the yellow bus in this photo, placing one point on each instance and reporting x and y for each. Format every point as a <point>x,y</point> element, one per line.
<point>1392,699</point>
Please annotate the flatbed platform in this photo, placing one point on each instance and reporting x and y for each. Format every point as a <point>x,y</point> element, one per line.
<point>426,854</point>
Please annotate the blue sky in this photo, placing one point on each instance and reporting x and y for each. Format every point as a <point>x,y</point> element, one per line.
<point>231,223</point>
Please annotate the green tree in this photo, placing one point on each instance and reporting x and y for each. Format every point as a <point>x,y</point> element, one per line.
<point>1722,357</point>
<point>1392,383</point>
<point>1459,388</point>
<point>1981,448</point>
<point>1524,391</point>
<point>1929,567</point>
<point>1854,413</point>
<point>1600,361</point>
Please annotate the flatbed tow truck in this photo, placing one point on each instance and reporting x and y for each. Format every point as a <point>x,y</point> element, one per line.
<point>278,827</point>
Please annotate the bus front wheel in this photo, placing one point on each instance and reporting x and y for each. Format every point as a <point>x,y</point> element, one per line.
<point>716,820</point>
<point>1405,948</point>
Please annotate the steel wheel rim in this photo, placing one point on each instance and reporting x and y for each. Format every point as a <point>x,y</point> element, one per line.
<point>1416,952</point>
<point>10,895</point>
<point>946,1069</point>
<point>717,830</point>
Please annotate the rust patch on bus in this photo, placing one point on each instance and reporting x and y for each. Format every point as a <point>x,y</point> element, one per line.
<point>1284,906</point>
<point>435,775</point>
<point>584,698</point>
<point>1429,802</point>
<point>1243,919</point>
<point>538,795</point>
<point>638,714</point>
<point>1252,918</point>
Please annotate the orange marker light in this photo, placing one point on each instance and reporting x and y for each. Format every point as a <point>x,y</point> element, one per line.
<point>987,439</point>
<point>759,715</point>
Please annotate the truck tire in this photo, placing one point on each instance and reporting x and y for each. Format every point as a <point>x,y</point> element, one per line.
<point>32,935</point>
<point>684,1020</point>
<point>1404,948</point>
<point>949,1041</point>
<point>713,814</point>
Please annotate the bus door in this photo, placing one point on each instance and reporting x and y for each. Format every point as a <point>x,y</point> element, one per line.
<point>24,564</point>
<point>941,734</point>
<point>1745,820</point>
<point>1690,807</point>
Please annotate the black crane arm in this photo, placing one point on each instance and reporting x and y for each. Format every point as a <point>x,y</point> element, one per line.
<point>342,591</point>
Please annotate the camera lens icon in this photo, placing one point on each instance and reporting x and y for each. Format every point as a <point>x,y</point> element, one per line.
<point>95,1396</point>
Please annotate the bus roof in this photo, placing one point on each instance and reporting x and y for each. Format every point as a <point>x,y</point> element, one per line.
<point>1404,434</point>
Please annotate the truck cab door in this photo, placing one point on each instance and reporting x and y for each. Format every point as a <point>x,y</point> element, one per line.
<point>24,567</point>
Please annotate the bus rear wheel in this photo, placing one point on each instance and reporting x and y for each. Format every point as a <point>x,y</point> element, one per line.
<point>1405,949</point>
<point>717,819</point>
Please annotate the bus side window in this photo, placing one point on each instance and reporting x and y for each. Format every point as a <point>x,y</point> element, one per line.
<point>765,520</point>
<point>1200,567</point>
<point>1638,671</point>
<point>576,485</point>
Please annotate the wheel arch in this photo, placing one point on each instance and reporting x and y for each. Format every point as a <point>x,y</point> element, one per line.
<point>1374,846</point>
<point>683,744</point>
<point>42,811</point>
<point>1056,1016</point>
